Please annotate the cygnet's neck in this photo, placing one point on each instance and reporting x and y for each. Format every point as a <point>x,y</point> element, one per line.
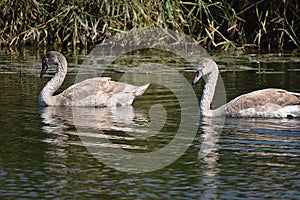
<point>208,93</point>
<point>46,96</point>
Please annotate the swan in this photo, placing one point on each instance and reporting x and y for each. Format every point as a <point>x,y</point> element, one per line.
<point>265,103</point>
<point>99,92</point>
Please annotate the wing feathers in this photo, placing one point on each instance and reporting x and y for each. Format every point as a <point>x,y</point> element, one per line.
<point>263,98</point>
<point>98,92</point>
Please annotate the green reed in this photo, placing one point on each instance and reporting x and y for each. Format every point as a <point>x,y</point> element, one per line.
<point>220,24</point>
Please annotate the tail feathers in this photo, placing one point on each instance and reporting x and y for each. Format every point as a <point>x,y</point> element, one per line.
<point>140,90</point>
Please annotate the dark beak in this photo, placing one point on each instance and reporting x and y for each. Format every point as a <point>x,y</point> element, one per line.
<point>44,68</point>
<point>197,77</point>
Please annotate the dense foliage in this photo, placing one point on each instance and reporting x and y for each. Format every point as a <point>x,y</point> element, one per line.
<point>214,24</point>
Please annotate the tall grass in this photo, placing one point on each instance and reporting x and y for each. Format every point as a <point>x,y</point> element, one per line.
<point>224,24</point>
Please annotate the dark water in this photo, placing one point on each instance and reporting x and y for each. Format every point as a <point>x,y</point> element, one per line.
<point>47,153</point>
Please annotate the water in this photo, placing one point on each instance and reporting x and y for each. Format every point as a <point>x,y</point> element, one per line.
<point>42,154</point>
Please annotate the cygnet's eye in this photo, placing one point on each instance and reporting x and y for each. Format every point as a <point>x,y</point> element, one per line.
<point>45,61</point>
<point>201,68</point>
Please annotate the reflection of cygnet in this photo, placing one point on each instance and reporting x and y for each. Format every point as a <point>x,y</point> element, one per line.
<point>123,114</point>
<point>56,119</point>
<point>212,128</point>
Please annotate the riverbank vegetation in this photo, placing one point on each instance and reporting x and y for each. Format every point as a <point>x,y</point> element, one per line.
<point>224,24</point>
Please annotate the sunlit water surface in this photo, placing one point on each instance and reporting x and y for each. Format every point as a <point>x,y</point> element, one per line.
<point>42,155</point>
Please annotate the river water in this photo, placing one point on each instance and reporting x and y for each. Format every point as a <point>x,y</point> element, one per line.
<point>105,153</point>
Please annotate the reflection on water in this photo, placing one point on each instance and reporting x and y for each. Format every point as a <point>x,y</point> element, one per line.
<point>94,123</point>
<point>42,155</point>
<point>249,154</point>
<point>272,137</point>
<point>208,155</point>
<point>212,129</point>
<point>57,119</point>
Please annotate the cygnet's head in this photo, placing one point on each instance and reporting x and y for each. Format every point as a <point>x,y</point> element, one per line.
<point>51,58</point>
<point>205,67</point>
